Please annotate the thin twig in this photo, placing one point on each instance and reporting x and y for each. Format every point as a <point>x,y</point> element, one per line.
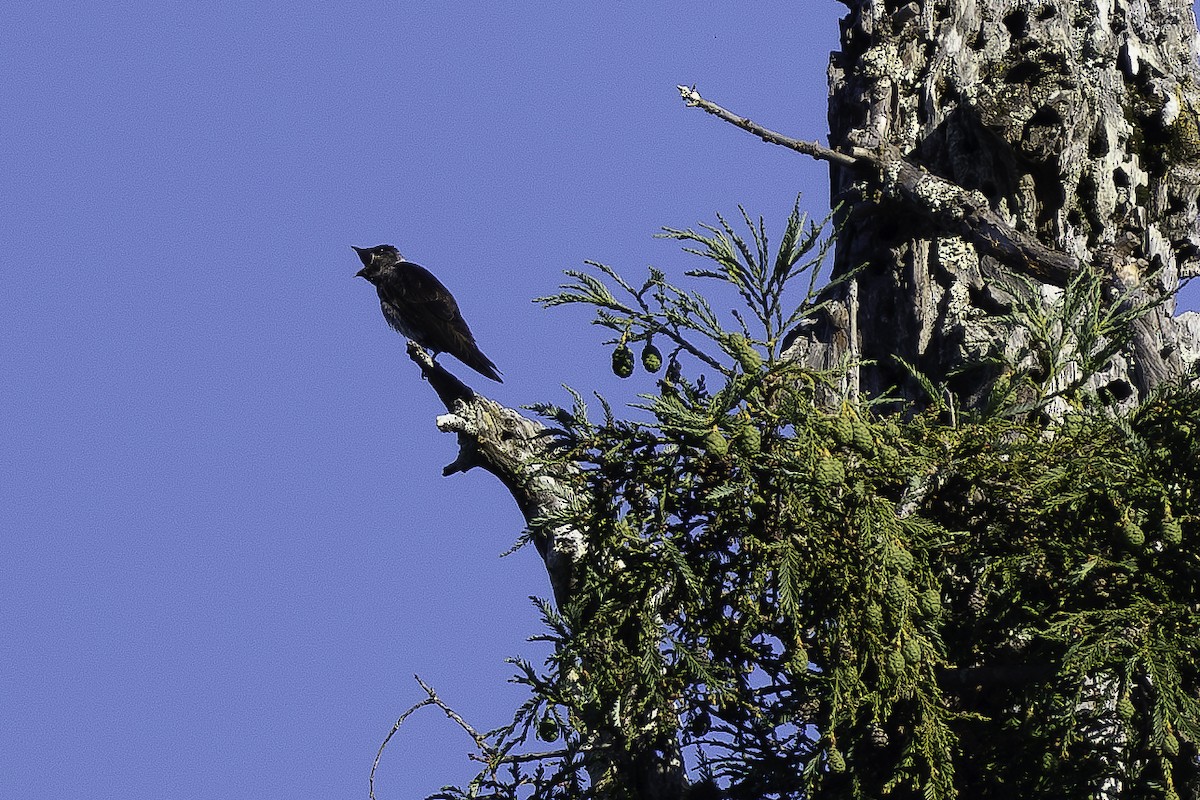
<point>396,727</point>
<point>949,205</point>
<point>819,151</point>
<point>481,742</point>
<point>522,757</point>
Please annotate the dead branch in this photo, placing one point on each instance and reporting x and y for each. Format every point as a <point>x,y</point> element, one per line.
<point>961,212</point>
<point>517,450</point>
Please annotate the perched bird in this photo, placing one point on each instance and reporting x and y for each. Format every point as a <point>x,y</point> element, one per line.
<point>418,306</point>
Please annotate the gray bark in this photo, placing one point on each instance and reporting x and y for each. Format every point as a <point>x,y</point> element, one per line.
<point>969,139</point>
<point>516,449</point>
<point>1075,123</point>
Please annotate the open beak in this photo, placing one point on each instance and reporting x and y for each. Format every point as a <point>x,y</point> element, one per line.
<point>364,255</point>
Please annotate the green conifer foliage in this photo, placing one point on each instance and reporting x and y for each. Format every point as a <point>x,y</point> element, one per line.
<point>804,599</point>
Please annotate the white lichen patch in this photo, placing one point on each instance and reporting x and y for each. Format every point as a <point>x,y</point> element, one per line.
<point>1169,112</point>
<point>956,255</point>
<point>1189,329</point>
<point>889,175</point>
<point>1051,295</point>
<point>938,195</point>
<point>884,61</point>
<point>958,298</point>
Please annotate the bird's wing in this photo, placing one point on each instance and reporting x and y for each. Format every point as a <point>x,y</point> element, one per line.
<point>421,295</point>
<point>429,313</point>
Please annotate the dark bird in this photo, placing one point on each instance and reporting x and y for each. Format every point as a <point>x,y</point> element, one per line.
<point>418,306</point>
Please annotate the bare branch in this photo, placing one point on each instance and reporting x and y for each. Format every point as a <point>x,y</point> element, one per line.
<point>818,151</point>
<point>520,758</point>
<point>517,450</point>
<point>480,741</point>
<point>489,755</point>
<point>379,755</point>
<point>952,207</point>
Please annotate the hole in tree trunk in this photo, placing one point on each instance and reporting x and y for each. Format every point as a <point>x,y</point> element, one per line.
<point>1017,23</point>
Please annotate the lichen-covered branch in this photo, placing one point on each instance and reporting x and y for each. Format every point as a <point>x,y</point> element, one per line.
<point>972,141</point>
<point>516,449</point>
<point>814,149</point>
<point>953,208</point>
<point>1076,124</point>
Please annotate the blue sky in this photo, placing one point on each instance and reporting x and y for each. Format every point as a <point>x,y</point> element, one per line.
<point>227,545</point>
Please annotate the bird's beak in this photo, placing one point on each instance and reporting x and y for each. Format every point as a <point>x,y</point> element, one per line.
<point>364,254</point>
<point>362,273</point>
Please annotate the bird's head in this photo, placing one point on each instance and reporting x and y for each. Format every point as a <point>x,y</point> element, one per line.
<point>376,259</point>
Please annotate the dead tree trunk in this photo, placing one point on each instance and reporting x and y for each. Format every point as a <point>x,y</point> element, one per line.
<point>1077,122</point>
<point>969,140</point>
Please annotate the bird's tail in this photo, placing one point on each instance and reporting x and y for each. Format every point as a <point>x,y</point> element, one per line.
<point>477,361</point>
